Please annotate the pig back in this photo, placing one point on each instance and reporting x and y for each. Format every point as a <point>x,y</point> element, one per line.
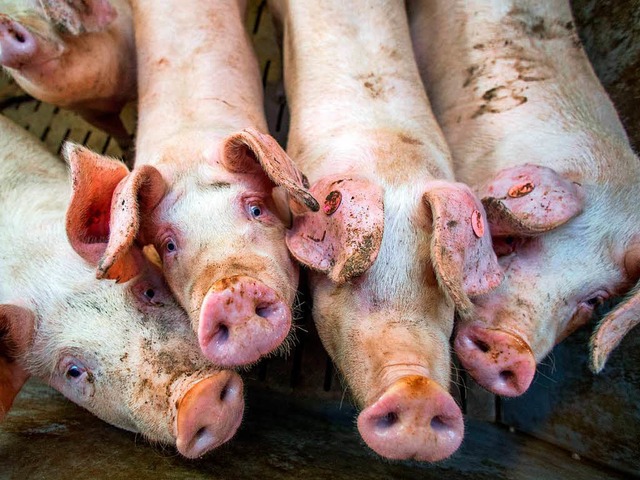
<point>31,178</point>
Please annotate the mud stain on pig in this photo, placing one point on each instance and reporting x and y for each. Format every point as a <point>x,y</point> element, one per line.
<point>499,99</point>
<point>527,23</point>
<point>373,84</point>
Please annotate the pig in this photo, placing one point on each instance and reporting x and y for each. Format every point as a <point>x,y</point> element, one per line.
<point>210,186</point>
<point>397,245</point>
<point>533,132</point>
<point>125,352</point>
<point>78,55</point>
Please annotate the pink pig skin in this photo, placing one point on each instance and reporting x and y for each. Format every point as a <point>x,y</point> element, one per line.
<point>125,352</point>
<point>533,132</point>
<point>202,189</point>
<point>79,56</point>
<point>396,245</point>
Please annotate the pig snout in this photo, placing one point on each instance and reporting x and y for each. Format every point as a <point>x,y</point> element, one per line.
<point>416,419</point>
<point>241,319</point>
<point>209,414</point>
<point>17,44</point>
<point>499,361</point>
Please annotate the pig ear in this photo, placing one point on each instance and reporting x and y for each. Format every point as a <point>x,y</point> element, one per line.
<point>250,150</point>
<point>135,198</point>
<point>103,215</point>
<point>461,251</point>
<point>94,178</point>
<point>79,16</point>
<point>612,329</point>
<point>528,200</point>
<point>17,325</point>
<point>617,323</point>
<point>344,237</point>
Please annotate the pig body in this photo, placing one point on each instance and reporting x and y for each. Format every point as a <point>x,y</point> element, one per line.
<point>79,56</point>
<point>390,246</point>
<point>202,190</point>
<point>533,132</point>
<point>124,352</point>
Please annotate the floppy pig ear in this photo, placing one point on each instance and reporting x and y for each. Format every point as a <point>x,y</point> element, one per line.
<point>103,215</point>
<point>529,199</point>
<point>342,239</point>
<point>619,321</point>
<point>249,150</point>
<point>79,16</point>
<point>612,329</point>
<point>135,197</point>
<point>94,178</point>
<point>461,251</point>
<point>16,331</point>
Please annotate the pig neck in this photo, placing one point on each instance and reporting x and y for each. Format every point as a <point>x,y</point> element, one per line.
<point>510,84</point>
<point>37,263</point>
<point>197,74</point>
<point>355,96</point>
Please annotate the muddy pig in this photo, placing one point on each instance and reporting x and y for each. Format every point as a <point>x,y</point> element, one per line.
<point>533,132</point>
<point>397,244</point>
<point>125,352</point>
<point>204,188</point>
<point>75,54</point>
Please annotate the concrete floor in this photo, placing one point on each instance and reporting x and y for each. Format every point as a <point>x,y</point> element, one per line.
<point>46,437</point>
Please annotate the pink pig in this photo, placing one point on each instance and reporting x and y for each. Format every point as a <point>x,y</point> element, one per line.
<point>125,352</point>
<point>533,132</point>
<point>396,245</point>
<point>75,54</point>
<point>204,187</point>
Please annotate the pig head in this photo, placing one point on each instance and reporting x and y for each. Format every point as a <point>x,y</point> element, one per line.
<point>219,229</point>
<point>50,49</point>
<point>124,351</point>
<point>388,268</point>
<point>564,247</point>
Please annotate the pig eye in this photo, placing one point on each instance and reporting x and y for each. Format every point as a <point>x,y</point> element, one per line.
<point>170,245</point>
<point>595,301</point>
<point>503,246</point>
<point>255,211</point>
<point>74,371</point>
<point>150,293</point>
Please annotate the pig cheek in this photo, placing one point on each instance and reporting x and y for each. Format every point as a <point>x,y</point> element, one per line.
<point>579,319</point>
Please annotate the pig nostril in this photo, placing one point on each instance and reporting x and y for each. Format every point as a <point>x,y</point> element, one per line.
<point>222,335</point>
<point>200,433</point>
<point>507,375</point>
<point>439,424</point>
<point>387,420</point>
<point>263,311</point>
<point>223,392</point>
<point>482,346</point>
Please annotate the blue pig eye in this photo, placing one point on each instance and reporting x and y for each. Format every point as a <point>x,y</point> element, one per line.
<point>255,210</point>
